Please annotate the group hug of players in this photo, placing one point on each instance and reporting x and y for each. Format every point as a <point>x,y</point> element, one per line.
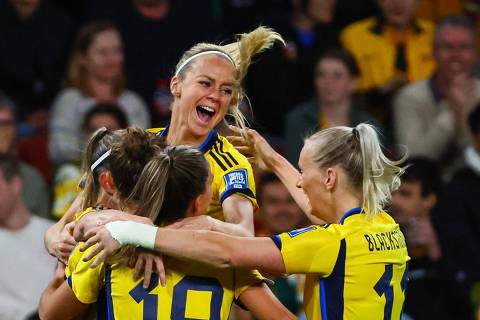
<point>180,200</point>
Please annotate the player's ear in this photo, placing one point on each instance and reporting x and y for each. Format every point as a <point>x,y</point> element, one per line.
<point>175,87</point>
<point>106,182</point>
<point>196,207</point>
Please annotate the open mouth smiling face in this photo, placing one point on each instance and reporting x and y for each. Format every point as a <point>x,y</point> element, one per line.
<point>206,93</point>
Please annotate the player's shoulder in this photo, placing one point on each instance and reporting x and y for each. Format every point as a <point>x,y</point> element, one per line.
<point>155,131</point>
<point>226,156</point>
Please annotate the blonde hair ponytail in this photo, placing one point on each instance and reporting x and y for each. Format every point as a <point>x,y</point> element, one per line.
<point>381,175</point>
<point>358,151</point>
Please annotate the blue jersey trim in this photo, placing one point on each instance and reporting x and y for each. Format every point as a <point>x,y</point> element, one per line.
<point>101,305</point>
<point>69,281</point>
<point>208,143</point>
<point>278,241</point>
<point>323,303</point>
<point>349,213</point>
<point>331,287</point>
<point>108,291</point>
<point>228,193</point>
<point>204,147</point>
<point>164,132</point>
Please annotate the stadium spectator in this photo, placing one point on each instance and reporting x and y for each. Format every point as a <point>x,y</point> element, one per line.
<point>391,50</point>
<point>433,292</point>
<point>35,193</point>
<point>36,36</point>
<point>434,10</point>
<point>430,116</point>
<point>461,238</point>
<point>95,74</point>
<point>156,33</point>
<point>68,175</point>
<point>333,105</point>
<point>25,266</point>
<point>283,76</point>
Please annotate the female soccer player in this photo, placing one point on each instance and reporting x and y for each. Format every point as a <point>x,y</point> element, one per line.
<point>206,86</point>
<point>164,183</point>
<point>355,264</point>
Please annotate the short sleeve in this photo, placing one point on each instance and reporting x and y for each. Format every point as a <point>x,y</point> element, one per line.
<point>237,178</point>
<point>312,249</point>
<point>245,279</point>
<point>86,282</point>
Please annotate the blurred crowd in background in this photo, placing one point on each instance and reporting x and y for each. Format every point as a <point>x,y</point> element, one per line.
<point>410,67</point>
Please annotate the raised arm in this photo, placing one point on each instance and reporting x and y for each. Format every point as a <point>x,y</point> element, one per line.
<point>264,156</point>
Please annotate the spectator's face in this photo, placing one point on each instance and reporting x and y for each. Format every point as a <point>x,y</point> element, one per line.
<point>398,13</point>
<point>101,120</point>
<point>333,81</point>
<point>104,57</point>
<point>202,98</point>
<point>9,196</point>
<point>455,50</point>
<point>7,130</point>
<point>407,202</point>
<point>25,8</point>
<point>321,10</point>
<point>279,211</point>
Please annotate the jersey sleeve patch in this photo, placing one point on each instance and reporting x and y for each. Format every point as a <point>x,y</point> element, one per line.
<point>236,180</point>
<point>297,232</point>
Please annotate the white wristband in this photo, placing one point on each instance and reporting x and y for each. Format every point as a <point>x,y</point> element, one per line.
<point>133,233</point>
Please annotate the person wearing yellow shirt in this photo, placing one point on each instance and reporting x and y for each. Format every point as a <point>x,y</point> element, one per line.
<point>206,86</point>
<point>356,263</point>
<point>138,174</point>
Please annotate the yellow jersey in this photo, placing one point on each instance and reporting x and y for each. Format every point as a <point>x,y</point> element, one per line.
<point>356,269</point>
<point>232,173</point>
<point>376,51</point>
<point>192,291</point>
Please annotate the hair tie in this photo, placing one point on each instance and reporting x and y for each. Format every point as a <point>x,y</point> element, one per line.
<point>355,133</point>
<point>100,160</point>
<point>184,63</point>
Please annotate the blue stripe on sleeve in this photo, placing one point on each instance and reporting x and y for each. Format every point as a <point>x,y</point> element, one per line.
<point>278,241</point>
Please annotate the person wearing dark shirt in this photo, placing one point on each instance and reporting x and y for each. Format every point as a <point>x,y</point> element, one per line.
<point>155,34</point>
<point>433,291</point>
<point>35,41</point>
<point>283,77</point>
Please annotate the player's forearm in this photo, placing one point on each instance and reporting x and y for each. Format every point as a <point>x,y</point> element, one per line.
<point>289,176</point>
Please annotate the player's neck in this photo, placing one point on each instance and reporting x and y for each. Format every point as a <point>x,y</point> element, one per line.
<point>18,219</point>
<point>179,133</point>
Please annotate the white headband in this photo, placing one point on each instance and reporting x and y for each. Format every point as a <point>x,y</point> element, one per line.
<point>202,54</point>
<point>99,160</point>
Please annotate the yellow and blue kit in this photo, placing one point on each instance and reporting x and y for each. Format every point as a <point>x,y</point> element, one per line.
<point>232,173</point>
<point>192,291</point>
<point>356,269</point>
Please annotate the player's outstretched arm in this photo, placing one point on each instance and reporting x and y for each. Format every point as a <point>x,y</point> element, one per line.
<point>213,248</point>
